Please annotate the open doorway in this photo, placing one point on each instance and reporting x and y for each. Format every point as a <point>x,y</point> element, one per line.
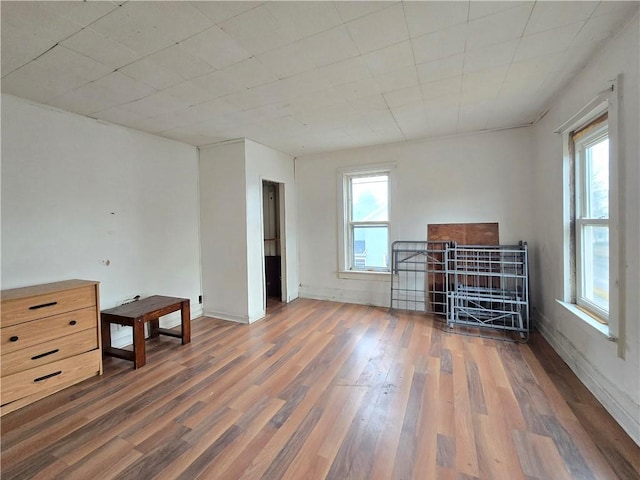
<point>273,233</point>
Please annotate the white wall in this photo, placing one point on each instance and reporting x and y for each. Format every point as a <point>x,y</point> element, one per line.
<point>615,381</point>
<point>224,231</point>
<point>483,177</point>
<point>264,163</point>
<point>78,193</point>
<point>232,236</point>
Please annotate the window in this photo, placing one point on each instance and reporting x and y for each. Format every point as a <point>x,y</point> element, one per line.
<point>591,250</point>
<point>593,240</point>
<point>366,225</point>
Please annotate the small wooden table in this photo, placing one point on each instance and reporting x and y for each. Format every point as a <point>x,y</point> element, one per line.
<point>136,314</point>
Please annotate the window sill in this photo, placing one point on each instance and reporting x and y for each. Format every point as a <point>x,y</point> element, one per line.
<point>588,319</point>
<point>365,275</point>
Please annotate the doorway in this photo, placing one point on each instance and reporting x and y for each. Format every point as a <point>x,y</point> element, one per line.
<point>273,233</point>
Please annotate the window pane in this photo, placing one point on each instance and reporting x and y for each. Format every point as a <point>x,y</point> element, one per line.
<point>370,248</point>
<point>597,179</point>
<point>595,265</point>
<point>369,199</point>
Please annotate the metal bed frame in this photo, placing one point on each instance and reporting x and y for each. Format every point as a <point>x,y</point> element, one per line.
<point>489,287</point>
<point>419,282</point>
<point>474,286</point>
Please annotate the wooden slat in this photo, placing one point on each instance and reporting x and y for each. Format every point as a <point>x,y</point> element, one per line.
<point>323,390</point>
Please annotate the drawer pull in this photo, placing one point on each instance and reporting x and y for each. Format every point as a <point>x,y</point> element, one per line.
<point>72,322</point>
<point>14,338</point>
<point>43,305</point>
<point>54,374</point>
<point>36,357</point>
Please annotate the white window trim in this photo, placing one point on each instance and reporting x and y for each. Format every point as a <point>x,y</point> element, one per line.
<point>582,220</point>
<point>343,176</point>
<point>606,101</point>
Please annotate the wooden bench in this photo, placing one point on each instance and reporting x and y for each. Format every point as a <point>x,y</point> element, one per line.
<point>136,314</point>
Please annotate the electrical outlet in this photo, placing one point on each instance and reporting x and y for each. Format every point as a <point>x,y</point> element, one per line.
<point>200,299</point>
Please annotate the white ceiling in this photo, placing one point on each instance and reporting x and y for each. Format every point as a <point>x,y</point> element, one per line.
<point>302,77</point>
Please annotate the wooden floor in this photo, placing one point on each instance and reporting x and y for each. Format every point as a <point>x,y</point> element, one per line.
<point>324,390</point>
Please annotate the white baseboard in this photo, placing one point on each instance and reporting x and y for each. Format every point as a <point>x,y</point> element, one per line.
<point>360,297</point>
<point>226,316</point>
<point>617,402</point>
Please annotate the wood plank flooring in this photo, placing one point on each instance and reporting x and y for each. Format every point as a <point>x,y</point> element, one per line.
<point>324,390</point>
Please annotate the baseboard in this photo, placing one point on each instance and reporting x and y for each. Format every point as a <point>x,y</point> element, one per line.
<point>226,316</point>
<point>615,401</point>
<point>359,297</point>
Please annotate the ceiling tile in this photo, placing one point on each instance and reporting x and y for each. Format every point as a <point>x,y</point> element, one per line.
<point>255,30</point>
<point>19,46</point>
<point>495,55</point>
<point>109,91</point>
<point>428,17</point>
<point>286,61</point>
<point>527,76</point>
<point>483,85</point>
<point>611,7</point>
<point>474,117</point>
<point>180,61</point>
<point>441,88</point>
<point>205,111</point>
<point>397,79</point>
<point>298,20</point>
<point>484,9</point>
<point>389,58</point>
<point>403,96</point>
<point>367,105</point>
<point>102,49</point>
<point>440,69</point>
<point>544,43</point>
<point>440,44</point>
<point>215,47</point>
<point>360,88</point>
<point>499,27</point>
<point>600,27</point>
<point>38,18</point>
<point>155,104</point>
<point>380,29</point>
<point>189,92</point>
<point>82,13</point>
<point>147,27</point>
<point>351,10</point>
<point>54,73</point>
<point>220,11</point>
<point>346,71</point>
<point>329,47</point>
<point>411,119</point>
<point>548,15</point>
<point>118,116</point>
<point>248,73</point>
<point>152,74</point>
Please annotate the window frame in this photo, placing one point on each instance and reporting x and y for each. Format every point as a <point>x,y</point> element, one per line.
<point>607,101</point>
<point>351,224</point>
<point>345,248</point>
<point>582,216</point>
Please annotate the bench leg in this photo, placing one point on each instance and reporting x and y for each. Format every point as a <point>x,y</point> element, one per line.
<point>106,334</point>
<point>185,312</point>
<point>139,355</point>
<point>153,328</point>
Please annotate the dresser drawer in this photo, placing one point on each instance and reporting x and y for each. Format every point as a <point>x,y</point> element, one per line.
<point>47,377</point>
<point>18,310</point>
<point>35,332</point>
<point>48,352</point>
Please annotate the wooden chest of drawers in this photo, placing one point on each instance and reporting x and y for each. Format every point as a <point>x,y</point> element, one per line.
<point>49,340</point>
